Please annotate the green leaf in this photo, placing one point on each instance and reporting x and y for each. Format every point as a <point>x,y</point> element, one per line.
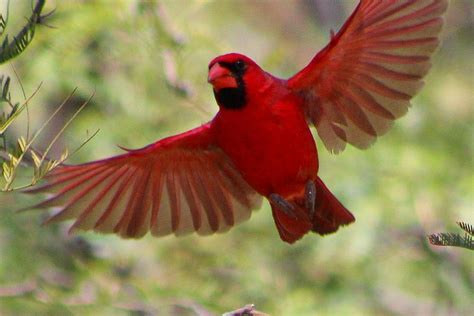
<point>15,112</point>
<point>49,166</point>
<point>64,156</point>
<point>468,228</point>
<point>36,159</point>
<point>11,119</point>
<point>5,89</point>
<point>455,239</point>
<point>22,144</point>
<point>13,48</point>
<point>3,21</point>
<point>13,160</point>
<point>7,174</point>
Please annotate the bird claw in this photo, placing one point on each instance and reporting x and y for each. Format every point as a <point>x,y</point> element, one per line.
<point>289,209</point>
<point>283,204</point>
<point>310,196</point>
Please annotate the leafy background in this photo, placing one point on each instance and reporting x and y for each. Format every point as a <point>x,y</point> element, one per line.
<point>146,62</point>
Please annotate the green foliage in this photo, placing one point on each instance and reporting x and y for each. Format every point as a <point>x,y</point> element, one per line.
<point>468,228</point>
<point>41,165</point>
<point>16,109</point>
<point>12,158</point>
<point>455,239</point>
<point>11,49</point>
<point>3,23</point>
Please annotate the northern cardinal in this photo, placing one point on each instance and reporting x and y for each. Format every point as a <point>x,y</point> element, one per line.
<point>259,143</point>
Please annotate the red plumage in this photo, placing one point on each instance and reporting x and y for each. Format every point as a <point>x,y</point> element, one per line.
<point>259,144</point>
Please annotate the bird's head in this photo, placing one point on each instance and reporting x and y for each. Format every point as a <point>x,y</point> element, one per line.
<point>234,77</point>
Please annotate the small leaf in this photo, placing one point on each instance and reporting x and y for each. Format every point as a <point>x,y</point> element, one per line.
<point>22,144</point>
<point>5,89</point>
<point>55,164</point>
<point>6,171</point>
<point>49,166</point>
<point>64,155</point>
<point>14,113</point>
<point>14,161</point>
<point>452,239</point>
<point>3,23</point>
<point>468,228</point>
<point>11,49</point>
<point>44,169</point>
<point>36,159</point>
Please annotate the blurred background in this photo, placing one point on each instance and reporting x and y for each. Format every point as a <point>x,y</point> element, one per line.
<point>146,64</point>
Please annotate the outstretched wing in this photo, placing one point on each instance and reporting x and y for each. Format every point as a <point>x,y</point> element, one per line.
<point>179,185</point>
<point>365,77</point>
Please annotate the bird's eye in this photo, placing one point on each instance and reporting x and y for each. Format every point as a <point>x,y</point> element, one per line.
<point>239,65</point>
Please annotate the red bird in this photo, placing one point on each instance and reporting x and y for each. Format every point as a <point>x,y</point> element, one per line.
<point>259,144</point>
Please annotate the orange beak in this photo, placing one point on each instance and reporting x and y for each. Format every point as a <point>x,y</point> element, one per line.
<point>221,77</point>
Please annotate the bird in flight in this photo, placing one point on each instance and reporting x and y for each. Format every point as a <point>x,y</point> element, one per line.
<point>259,144</point>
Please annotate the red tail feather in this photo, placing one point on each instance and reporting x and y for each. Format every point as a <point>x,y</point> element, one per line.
<point>291,229</point>
<point>329,212</point>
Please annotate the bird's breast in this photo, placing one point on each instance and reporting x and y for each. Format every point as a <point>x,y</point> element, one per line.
<point>273,147</point>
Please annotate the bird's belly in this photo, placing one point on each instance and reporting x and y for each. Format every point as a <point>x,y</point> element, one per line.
<point>272,158</point>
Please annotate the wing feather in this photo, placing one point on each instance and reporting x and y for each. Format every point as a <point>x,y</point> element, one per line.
<point>210,208</point>
<point>157,185</point>
<point>91,213</point>
<point>222,200</point>
<point>109,217</point>
<point>371,69</point>
<point>136,222</point>
<point>177,185</point>
<point>136,195</point>
<point>73,197</point>
<point>192,200</point>
<point>174,200</point>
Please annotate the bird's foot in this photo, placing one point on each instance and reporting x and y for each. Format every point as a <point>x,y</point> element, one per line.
<point>283,204</point>
<point>310,197</point>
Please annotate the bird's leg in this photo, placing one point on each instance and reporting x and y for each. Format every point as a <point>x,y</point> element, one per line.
<point>283,204</point>
<point>310,196</point>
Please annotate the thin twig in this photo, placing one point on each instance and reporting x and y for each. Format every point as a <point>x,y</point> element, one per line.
<point>26,104</point>
<point>84,143</point>
<point>18,111</point>
<point>28,145</point>
<point>43,157</point>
